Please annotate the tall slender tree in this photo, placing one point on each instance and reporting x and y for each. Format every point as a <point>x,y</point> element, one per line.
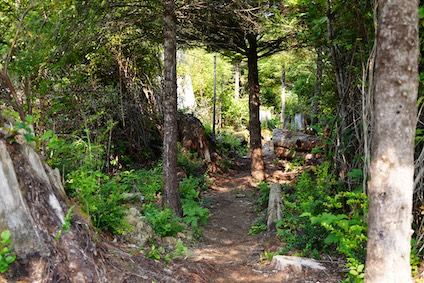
<point>392,162</point>
<point>171,197</point>
<point>249,29</point>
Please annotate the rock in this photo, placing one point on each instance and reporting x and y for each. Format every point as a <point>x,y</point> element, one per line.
<point>290,145</point>
<point>169,241</point>
<point>274,206</point>
<point>298,141</point>
<point>141,231</point>
<point>296,265</point>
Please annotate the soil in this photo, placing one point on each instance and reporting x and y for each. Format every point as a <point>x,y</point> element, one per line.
<point>227,253</point>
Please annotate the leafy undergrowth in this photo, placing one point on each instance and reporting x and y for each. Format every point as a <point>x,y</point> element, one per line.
<point>319,216</point>
<point>106,198</point>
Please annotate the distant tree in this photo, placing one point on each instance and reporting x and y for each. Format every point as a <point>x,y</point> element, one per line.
<point>392,158</point>
<point>171,197</point>
<point>253,29</point>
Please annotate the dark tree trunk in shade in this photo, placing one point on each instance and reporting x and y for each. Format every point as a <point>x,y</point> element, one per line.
<point>171,197</point>
<point>390,189</point>
<point>257,165</point>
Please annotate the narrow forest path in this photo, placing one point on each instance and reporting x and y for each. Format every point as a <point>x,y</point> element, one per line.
<point>226,245</point>
<point>227,253</point>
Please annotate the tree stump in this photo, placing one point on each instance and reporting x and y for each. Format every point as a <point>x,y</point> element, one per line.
<point>192,136</point>
<point>33,205</point>
<point>274,206</point>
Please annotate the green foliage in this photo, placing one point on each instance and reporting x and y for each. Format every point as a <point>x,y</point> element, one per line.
<point>22,131</point>
<point>347,232</point>
<point>263,199</point>
<point>67,225</point>
<point>6,251</point>
<point>180,251</point>
<point>193,213</point>
<point>258,227</point>
<point>271,124</point>
<point>158,253</point>
<point>101,197</point>
<point>319,216</point>
<point>162,220</point>
<point>267,256</point>
<point>190,162</point>
<point>228,143</point>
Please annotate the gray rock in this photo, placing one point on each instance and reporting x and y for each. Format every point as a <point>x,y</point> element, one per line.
<point>295,264</point>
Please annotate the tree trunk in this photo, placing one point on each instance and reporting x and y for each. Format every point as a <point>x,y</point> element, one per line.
<point>257,165</point>
<point>317,88</point>
<point>392,163</point>
<point>237,76</point>
<point>33,205</point>
<point>171,197</point>
<point>283,96</point>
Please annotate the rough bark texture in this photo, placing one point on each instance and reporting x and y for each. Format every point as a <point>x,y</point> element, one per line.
<point>33,207</point>
<point>392,165</point>
<point>171,196</point>
<point>275,206</point>
<point>257,165</point>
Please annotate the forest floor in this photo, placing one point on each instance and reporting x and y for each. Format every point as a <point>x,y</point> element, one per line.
<point>227,253</point>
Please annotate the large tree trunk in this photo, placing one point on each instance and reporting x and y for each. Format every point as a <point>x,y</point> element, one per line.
<point>33,206</point>
<point>171,197</point>
<point>392,163</point>
<point>257,165</point>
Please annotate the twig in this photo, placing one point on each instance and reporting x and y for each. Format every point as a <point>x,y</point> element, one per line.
<point>15,39</point>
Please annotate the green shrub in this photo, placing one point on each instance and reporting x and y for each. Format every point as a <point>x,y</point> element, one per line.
<point>308,195</point>
<point>6,251</point>
<point>101,197</point>
<point>320,215</point>
<point>162,220</point>
<point>190,162</point>
<point>193,213</point>
<point>347,230</point>
<point>264,197</point>
<point>227,143</point>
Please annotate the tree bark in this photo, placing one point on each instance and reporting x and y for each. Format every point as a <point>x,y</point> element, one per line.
<point>283,97</point>
<point>392,163</point>
<point>171,197</point>
<point>237,76</point>
<point>33,205</point>
<point>317,88</point>
<point>257,162</point>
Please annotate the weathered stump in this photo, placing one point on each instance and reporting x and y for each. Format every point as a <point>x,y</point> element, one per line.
<point>191,134</point>
<point>33,206</point>
<point>274,206</point>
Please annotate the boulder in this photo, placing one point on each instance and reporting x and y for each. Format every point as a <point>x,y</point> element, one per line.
<point>290,145</point>
<point>299,268</point>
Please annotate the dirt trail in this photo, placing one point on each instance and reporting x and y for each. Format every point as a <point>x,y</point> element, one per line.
<point>228,253</point>
<point>227,246</point>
